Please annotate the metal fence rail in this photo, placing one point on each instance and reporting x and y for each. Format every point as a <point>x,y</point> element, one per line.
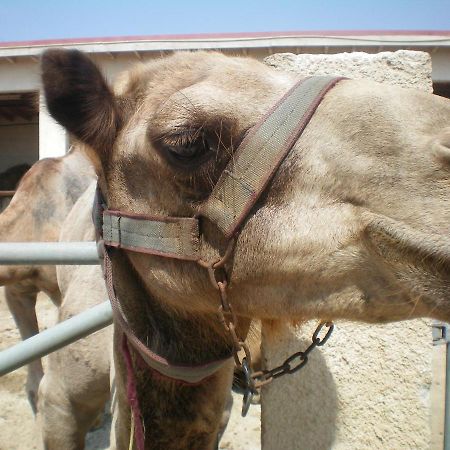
<point>62,334</point>
<point>48,253</point>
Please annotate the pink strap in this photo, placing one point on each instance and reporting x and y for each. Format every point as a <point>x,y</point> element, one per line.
<point>132,395</point>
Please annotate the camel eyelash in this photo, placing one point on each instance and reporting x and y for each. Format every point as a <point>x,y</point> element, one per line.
<point>178,137</point>
<point>181,139</point>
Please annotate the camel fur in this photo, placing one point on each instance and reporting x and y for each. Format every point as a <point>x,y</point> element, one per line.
<point>354,224</point>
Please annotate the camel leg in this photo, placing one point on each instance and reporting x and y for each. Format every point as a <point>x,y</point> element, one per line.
<point>74,391</point>
<point>22,303</point>
<point>65,420</point>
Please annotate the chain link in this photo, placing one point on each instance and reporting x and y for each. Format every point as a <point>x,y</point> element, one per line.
<point>253,381</point>
<point>296,361</point>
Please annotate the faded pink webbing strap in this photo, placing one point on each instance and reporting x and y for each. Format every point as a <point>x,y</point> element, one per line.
<point>132,395</point>
<point>185,374</point>
<point>261,153</point>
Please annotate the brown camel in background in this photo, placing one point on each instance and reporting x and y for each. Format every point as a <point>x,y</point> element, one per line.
<point>44,197</point>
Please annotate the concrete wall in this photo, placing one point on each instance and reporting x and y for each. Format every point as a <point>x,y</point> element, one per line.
<point>370,386</point>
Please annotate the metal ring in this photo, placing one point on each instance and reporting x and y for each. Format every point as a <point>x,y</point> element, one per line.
<point>246,402</point>
<point>249,390</point>
<point>247,373</point>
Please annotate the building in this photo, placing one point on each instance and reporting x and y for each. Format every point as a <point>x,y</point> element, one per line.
<point>27,133</point>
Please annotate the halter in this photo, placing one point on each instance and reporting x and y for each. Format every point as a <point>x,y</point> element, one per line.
<point>240,185</point>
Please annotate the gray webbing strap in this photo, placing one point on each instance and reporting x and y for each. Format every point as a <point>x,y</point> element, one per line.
<point>261,153</point>
<point>174,237</point>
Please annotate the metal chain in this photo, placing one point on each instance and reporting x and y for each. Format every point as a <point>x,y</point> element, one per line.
<point>289,366</point>
<point>255,380</point>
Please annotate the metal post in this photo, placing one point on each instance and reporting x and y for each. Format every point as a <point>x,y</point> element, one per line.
<point>441,335</point>
<point>447,397</point>
<point>62,334</point>
<point>48,253</point>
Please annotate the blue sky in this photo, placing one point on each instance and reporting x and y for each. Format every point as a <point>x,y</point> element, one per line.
<point>52,19</point>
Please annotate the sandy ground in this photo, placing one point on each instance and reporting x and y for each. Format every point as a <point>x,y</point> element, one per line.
<point>19,431</point>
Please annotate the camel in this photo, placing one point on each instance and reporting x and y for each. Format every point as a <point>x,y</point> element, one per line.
<point>353,224</point>
<point>42,201</point>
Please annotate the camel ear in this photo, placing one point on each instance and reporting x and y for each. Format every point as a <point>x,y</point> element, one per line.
<point>79,98</point>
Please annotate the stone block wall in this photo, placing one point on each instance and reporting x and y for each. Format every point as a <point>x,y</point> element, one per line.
<point>370,386</point>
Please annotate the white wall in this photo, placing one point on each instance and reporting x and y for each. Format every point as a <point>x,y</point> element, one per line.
<point>441,65</point>
<point>20,76</point>
<point>53,138</point>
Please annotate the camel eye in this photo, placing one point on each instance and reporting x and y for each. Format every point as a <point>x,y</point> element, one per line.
<point>188,151</point>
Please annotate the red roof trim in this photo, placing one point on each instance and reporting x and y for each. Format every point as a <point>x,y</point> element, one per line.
<point>178,37</point>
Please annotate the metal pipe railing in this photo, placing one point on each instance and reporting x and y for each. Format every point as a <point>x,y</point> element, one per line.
<point>441,335</point>
<point>62,334</point>
<point>48,253</point>
<point>447,395</point>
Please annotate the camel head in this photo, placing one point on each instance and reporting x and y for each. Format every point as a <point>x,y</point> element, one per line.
<point>355,223</point>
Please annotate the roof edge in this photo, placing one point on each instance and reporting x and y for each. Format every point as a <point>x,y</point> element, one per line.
<point>220,36</point>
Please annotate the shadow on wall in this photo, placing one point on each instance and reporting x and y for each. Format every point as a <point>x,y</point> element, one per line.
<point>313,426</point>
